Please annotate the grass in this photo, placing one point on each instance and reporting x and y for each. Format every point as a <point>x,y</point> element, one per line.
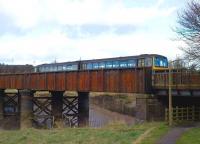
<point>159,130</point>
<point>111,134</point>
<point>190,137</point>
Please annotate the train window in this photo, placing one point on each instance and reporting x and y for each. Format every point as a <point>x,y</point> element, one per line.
<point>160,62</point>
<point>74,67</point>
<point>95,66</point>
<point>141,63</point>
<point>64,67</point>
<point>109,64</point>
<point>55,68</point>
<point>83,66</point>
<point>102,65</point>
<point>148,62</point>
<point>40,69</point>
<point>36,69</point>
<point>46,68</point>
<point>69,67</point>
<point>123,64</point>
<point>115,64</point>
<point>89,66</point>
<point>43,69</point>
<point>60,68</point>
<point>50,68</point>
<point>131,63</point>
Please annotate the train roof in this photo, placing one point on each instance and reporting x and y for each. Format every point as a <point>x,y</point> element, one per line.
<point>105,59</point>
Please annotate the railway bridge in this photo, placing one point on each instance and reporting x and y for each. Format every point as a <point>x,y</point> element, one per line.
<point>27,108</point>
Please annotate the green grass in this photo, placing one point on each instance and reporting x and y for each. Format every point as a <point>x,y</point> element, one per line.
<point>190,137</point>
<point>109,135</point>
<point>112,134</point>
<point>160,130</point>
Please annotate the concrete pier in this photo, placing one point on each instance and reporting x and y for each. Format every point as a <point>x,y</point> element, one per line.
<point>26,108</point>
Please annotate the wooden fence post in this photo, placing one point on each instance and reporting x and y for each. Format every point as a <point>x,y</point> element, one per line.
<point>193,113</point>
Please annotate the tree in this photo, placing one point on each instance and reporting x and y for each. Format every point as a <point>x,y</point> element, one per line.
<point>188,30</point>
<point>178,63</point>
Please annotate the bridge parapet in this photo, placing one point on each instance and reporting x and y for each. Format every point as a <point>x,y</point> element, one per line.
<point>136,80</point>
<point>189,80</point>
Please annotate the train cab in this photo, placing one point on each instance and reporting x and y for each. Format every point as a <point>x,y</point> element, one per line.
<point>160,63</point>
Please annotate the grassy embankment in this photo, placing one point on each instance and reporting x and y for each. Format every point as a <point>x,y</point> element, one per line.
<point>192,136</point>
<point>111,134</point>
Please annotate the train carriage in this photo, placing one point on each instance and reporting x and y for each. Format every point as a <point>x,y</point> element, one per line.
<point>154,61</point>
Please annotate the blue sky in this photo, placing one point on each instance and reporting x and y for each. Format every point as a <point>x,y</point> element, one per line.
<point>42,31</point>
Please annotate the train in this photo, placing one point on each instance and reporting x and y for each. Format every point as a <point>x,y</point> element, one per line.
<point>154,61</point>
<point>16,68</point>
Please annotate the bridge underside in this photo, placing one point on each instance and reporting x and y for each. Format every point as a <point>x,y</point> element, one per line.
<point>153,107</point>
<point>178,92</point>
<point>26,108</point>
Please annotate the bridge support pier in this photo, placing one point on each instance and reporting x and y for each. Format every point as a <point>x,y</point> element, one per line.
<point>57,107</point>
<point>149,108</point>
<point>26,115</point>
<point>83,109</point>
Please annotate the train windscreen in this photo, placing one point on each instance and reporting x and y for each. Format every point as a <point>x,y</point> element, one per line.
<point>160,62</point>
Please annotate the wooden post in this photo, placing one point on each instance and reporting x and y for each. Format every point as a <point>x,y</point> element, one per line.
<point>166,114</point>
<point>193,113</point>
<point>170,97</point>
<point>187,108</point>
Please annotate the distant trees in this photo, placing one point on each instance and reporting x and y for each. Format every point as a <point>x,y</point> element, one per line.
<point>188,30</point>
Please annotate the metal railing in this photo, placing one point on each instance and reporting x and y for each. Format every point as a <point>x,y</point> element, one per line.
<point>180,79</point>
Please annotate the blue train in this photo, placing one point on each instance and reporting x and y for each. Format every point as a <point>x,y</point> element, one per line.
<point>154,61</point>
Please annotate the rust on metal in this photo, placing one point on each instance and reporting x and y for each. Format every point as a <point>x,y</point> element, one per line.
<point>119,80</point>
<point>180,80</point>
<point>138,80</point>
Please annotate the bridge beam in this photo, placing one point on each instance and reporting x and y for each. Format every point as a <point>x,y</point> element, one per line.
<point>83,109</point>
<point>26,114</point>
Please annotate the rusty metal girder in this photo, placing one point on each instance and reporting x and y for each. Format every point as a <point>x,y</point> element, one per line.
<point>107,80</point>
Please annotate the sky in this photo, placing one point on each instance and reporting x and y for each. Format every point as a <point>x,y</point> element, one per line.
<point>44,31</point>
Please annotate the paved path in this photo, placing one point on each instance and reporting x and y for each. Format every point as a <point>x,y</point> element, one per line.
<point>173,135</point>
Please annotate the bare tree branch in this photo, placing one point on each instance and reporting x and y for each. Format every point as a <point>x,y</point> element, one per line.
<point>188,30</point>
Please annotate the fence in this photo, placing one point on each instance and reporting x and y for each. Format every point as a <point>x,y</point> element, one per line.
<point>184,114</point>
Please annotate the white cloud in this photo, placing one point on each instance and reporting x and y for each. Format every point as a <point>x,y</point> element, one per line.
<point>29,13</point>
<point>45,46</point>
<point>55,45</point>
